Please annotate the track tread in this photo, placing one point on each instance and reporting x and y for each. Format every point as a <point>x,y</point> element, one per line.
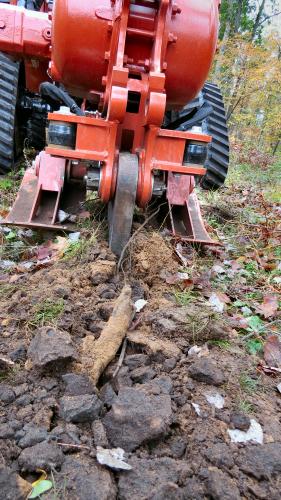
<point>9,75</point>
<point>216,125</point>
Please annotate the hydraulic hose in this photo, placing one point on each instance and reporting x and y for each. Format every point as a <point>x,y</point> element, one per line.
<point>50,92</point>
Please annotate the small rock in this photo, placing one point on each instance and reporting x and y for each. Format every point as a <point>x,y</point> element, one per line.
<point>62,292</point>
<point>24,400</point>
<point>221,487</point>
<point>137,417</point>
<point>142,374</point>
<point>107,394</point>
<point>67,434</point>
<point>262,462</point>
<point>219,454</point>
<point>177,446</point>
<point>77,385</point>
<point>7,394</point>
<point>149,478</point>
<point>205,370</point>
<point>12,486</point>
<point>51,346</point>
<point>136,361</point>
<point>165,491</point>
<point>87,480</point>
<point>43,455</point>
<point>169,364</point>
<point>20,389</point>
<point>84,408</point>
<point>6,431</point>
<point>43,418</point>
<point>165,383</point>
<point>32,436</point>
<point>18,354</point>
<point>99,432</point>
<point>240,421</point>
<point>102,271</point>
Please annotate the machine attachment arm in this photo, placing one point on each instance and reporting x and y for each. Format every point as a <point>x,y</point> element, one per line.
<point>24,32</point>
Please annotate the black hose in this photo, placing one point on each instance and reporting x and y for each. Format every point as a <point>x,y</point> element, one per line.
<point>50,92</point>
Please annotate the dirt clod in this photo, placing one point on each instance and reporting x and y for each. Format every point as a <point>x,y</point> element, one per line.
<point>43,455</point>
<point>154,346</point>
<point>205,370</point>
<point>240,421</point>
<point>84,478</point>
<point>102,271</point>
<point>221,487</point>
<point>84,408</point>
<point>137,417</point>
<point>51,346</point>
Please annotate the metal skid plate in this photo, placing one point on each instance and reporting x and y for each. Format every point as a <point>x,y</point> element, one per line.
<point>184,210</point>
<point>42,194</point>
<point>121,209</point>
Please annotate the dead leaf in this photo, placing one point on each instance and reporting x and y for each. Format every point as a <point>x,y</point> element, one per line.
<point>218,300</point>
<point>268,370</point>
<point>272,351</point>
<point>43,252</point>
<point>239,321</point>
<point>269,306</point>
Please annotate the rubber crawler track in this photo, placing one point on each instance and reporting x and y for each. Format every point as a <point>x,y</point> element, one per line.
<point>35,130</point>
<point>218,156</point>
<point>9,75</point>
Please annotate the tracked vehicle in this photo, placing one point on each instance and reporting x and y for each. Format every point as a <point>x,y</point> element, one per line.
<point>120,86</point>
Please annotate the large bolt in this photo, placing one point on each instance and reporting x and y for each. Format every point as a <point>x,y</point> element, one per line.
<point>175,9</point>
<point>172,38</point>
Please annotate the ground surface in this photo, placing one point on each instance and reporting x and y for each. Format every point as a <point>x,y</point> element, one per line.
<point>172,404</point>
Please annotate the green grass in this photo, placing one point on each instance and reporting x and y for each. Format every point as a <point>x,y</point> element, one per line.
<point>47,312</point>
<point>222,344</point>
<point>185,297</point>
<point>248,384</point>
<point>243,173</point>
<point>81,248</point>
<point>5,184</point>
<point>245,406</point>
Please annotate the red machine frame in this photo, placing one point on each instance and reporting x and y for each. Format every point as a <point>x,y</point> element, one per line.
<point>101,136</point>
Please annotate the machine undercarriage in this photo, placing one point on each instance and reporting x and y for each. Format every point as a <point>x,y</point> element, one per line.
<point>122,118</point>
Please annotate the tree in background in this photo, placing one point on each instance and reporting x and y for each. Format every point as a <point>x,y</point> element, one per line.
<point>248,69</point>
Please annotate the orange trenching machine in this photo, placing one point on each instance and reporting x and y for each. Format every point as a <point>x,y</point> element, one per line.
<point>119,86</point>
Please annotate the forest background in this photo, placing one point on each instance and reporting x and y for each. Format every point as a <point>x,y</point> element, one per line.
<point>248,70</point>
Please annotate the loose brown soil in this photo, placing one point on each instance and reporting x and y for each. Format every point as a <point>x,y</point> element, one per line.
<point>194,457</point>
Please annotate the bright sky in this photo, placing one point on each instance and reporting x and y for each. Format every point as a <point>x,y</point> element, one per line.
<point>276,21</point>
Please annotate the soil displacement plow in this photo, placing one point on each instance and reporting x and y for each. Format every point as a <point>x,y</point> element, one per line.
<point>120,87</point>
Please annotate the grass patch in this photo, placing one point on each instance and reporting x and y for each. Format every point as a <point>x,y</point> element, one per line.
<point>245,406</point>
<point>248,384</point>
<point>222,344</point>
<point>7,290</point>
<point>80,249</point>
<point>185,297</point>
<point>47,312</point>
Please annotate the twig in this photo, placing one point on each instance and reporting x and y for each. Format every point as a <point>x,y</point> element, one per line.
<point>135,234</point>
<point>121,358</point>
<point>80,446</point>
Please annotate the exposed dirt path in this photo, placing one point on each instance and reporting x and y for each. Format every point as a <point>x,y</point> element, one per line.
<point>194,368</point>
